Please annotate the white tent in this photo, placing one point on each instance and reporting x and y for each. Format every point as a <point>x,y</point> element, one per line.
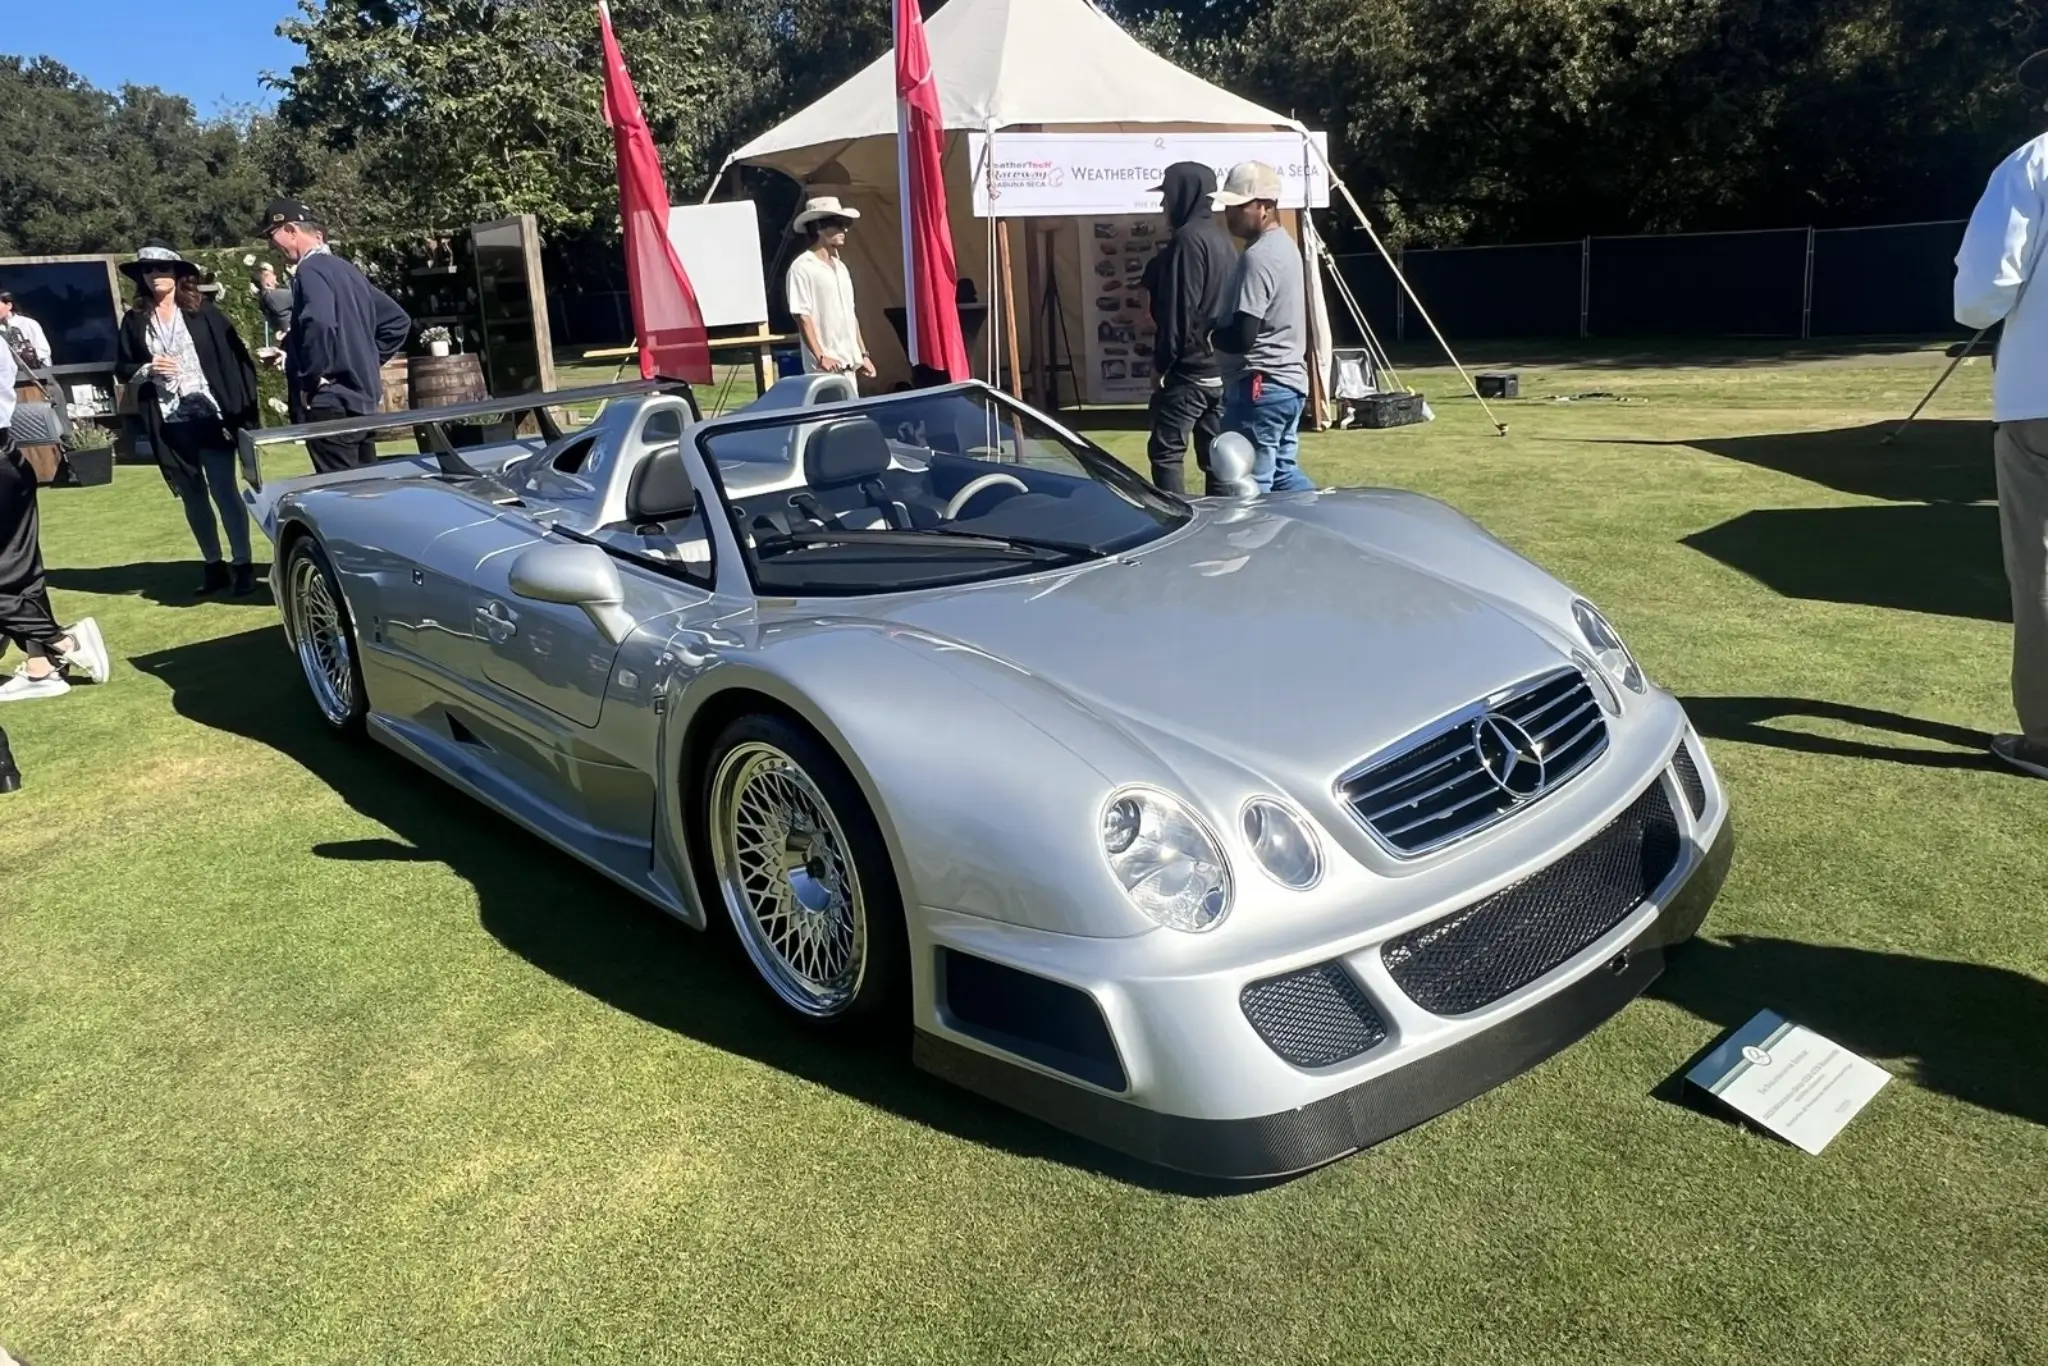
<point>1017,66</point>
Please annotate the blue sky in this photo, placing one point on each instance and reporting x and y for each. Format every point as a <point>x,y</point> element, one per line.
<point>213,51</point>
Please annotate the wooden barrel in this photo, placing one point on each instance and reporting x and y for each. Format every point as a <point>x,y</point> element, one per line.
<point>396,387</point>
<point>438,381</point>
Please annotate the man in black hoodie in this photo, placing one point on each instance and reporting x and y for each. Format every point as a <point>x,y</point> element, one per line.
<point>1185,282</point>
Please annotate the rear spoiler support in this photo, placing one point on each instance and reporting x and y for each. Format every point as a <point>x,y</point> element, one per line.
<point>436,420</point>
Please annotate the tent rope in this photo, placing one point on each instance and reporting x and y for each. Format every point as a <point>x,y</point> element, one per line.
<point>1364,222</point>
<point>1374,349</point>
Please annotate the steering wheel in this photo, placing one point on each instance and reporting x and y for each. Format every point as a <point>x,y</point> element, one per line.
<point>976,485</point>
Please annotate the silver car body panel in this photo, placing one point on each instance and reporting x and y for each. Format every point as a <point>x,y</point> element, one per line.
<point>1264,648</point>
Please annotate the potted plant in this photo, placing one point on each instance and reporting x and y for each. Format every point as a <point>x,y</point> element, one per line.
<point>437,340</point>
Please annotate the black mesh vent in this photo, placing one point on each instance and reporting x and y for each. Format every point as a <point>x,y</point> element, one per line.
<point>1474,957</point>
<point>1314,1017</point>
<point>1689,779</point>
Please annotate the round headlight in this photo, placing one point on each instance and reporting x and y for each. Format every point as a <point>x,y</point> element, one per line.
<point>1605,642</point>
<point>1169,865</point>
<point>1283,843</point>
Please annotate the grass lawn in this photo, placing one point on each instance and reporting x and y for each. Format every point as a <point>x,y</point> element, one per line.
<point>303,1058</point>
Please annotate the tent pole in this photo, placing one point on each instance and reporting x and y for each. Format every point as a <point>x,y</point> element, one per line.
<point>1317,400</point>
<point>1033,292</point>
<point>1016,385</point>
<point>1366,223</point>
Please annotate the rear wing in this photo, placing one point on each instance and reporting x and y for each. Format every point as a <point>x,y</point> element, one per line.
<point>438,454</point>
<point>433,422</point>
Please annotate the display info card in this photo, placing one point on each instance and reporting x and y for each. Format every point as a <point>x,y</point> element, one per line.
<point>1800,1086</point>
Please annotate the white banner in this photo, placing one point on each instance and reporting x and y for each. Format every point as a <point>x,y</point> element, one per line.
<point>1114,253</point>
<point>1051,175</point>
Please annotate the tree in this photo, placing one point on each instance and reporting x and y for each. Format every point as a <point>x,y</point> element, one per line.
<point>438,112</point>
<point>82,170</point>
<point>1497,120</point>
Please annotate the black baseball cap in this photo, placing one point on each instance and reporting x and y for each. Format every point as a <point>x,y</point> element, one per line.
<point>283,211</point>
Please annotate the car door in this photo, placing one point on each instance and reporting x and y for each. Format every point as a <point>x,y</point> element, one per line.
<point>551,654</point>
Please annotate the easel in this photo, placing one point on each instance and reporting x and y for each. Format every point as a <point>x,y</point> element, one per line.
<point>1051,330</point>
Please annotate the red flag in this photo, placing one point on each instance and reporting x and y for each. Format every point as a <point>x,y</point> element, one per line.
<point>930,277</point>
<point>666,318</point>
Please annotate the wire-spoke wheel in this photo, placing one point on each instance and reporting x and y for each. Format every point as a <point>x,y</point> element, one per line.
<point>320,626</point>
<point>800,872</point>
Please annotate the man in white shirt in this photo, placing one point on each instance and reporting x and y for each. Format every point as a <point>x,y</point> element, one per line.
<point>26,328</point>
<point>821,291</point>
<point>2000,254</point>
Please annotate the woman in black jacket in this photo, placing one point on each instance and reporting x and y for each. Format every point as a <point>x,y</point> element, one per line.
<point>195,390</point>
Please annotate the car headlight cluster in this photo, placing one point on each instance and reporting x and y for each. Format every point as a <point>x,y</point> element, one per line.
<point>1283,844</point>
<point>1171,867</point>
<point>1605,643</point>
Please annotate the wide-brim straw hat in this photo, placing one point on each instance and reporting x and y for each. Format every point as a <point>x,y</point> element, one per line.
<point>823,206</point>
<point>154,255</point>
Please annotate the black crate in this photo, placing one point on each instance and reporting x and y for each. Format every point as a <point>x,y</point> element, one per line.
<point>1493,385</point>
<point>1388,410</point>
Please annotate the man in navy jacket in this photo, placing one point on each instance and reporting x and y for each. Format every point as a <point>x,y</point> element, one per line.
<point>343,329</point>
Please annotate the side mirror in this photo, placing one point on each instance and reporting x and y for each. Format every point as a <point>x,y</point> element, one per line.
<point>1230,461</point>
<point>576,576</point>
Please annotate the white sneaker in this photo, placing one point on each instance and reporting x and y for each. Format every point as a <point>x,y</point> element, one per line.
<point>91,654</point>
<point>22,688</point>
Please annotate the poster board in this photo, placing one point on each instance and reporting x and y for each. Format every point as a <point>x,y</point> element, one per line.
<point>1053,175</point>
<point>720,248</point>
<point>1119,331</point>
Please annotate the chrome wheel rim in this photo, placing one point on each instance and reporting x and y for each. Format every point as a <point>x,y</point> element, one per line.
<point>324,649</point>
<point>787,873</point>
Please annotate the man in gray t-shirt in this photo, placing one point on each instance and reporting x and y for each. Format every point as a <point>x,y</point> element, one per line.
<point>1261,333</point>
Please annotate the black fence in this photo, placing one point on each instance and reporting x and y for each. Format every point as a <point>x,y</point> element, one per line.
<point>1792,283</point>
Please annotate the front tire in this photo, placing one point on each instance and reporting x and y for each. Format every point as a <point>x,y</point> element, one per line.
<point>800,867</point>
<point>324,637</point>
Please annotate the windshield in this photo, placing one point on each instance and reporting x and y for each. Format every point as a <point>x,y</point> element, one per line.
<point>929,489</point>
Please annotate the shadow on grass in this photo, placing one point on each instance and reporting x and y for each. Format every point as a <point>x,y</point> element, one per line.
<point>1945,461</point>
<point>1969,1031</point>
<point>1747,719</point>
<point>575,925</point>
<point>168,583</point>
<point>1938,558</point>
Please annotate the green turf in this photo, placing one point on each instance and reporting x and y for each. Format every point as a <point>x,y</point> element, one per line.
<point>304,1059</point>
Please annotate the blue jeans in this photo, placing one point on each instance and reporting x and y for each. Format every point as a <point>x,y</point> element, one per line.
<point>1273,425</point>
<point>219,468</point>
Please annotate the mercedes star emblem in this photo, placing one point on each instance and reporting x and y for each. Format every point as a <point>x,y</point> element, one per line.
<point>1508,755</point>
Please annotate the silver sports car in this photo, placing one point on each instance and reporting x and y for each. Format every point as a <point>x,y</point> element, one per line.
<point>1235,833</point>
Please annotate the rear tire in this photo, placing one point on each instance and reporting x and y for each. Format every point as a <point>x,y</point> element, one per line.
<point>799,867</point>
<point>323,637</point>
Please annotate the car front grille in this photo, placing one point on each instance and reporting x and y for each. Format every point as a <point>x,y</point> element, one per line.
<point>1435,787</point>
<point>1315,1017</point>
<point>1475,956</point>
<point>1689,779</point>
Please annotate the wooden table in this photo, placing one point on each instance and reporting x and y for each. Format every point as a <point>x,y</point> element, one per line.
<point>761,342</point>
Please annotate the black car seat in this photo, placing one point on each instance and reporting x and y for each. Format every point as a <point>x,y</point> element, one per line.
<point>847,465</point>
